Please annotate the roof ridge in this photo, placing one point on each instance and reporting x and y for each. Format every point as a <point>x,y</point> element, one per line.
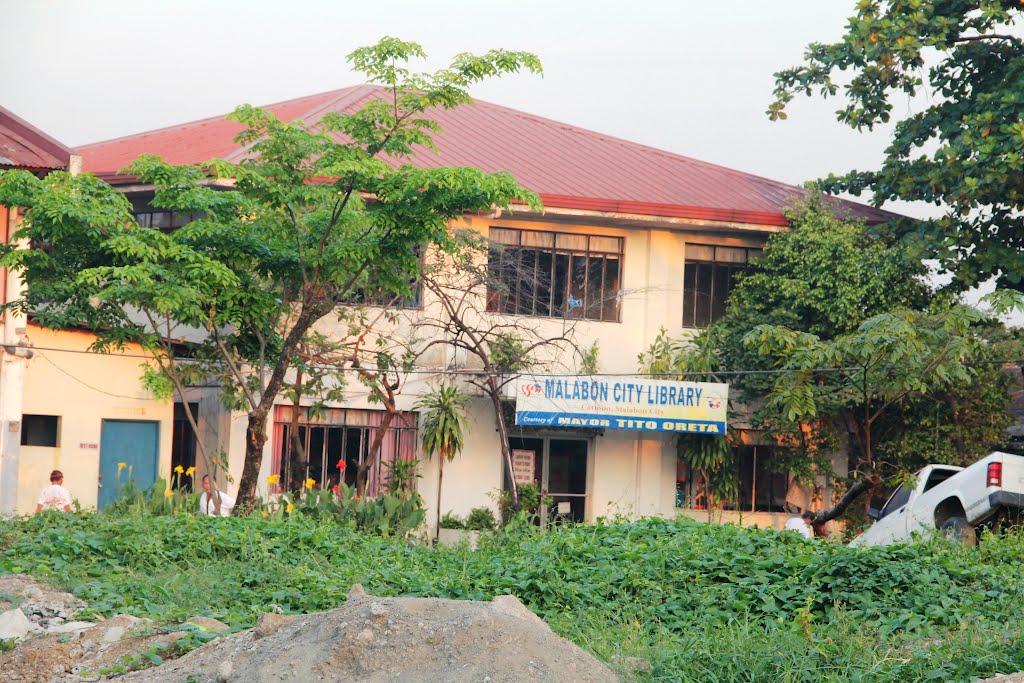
<point>632,143</point>
<point>211,119</point>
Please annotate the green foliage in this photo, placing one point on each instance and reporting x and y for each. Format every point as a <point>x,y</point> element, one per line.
<point>285,235</point>
<point>480,519</point>
<point>450,520</point>
<point>699,602</point>
<point>590,359</point>
<point>962,149</point>
<point>509,353</point>
<point>866,373</point>
<point>392,514</point>
<point>443,423</point>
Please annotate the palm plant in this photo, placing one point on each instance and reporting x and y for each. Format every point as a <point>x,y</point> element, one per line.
<point>442,427</point>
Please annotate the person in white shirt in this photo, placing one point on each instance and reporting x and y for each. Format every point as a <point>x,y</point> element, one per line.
<point>801,524</point>
<point>55,496</point>
<point>208,502</point>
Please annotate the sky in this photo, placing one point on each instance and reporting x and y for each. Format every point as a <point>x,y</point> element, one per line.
<point>687,76</point>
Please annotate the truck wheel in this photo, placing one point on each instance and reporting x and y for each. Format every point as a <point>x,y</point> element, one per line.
<point>958,529</point>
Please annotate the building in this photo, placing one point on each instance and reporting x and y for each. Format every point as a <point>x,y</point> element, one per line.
<point>654,239</point>
<point>62,406</point>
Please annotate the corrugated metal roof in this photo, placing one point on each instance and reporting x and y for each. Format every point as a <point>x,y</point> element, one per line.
<point>570,167</point>
<point>22,145</point>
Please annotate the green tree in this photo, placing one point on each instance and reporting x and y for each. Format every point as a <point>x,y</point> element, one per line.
<point>963,149</point>
<point>442,429</point>
<point>313,216</point>
<point>865,375</point>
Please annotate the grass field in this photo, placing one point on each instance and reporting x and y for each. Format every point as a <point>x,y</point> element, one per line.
<point>699,602</point>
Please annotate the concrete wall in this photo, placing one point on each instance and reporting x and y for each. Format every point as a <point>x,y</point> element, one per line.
<point>82,389</point>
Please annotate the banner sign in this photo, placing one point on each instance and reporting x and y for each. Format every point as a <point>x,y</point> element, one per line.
<point>632,403</point>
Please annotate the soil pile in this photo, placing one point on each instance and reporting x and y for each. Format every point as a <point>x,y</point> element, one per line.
<point>371,639</point>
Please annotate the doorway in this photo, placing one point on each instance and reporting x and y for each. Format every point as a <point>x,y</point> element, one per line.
<point>560,472</point>
<point>183,443</point>
<point>132,442</point>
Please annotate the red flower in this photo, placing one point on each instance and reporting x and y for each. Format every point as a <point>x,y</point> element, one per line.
<point>335,488</point>
<point>341,465</point>
<point>355,497</point>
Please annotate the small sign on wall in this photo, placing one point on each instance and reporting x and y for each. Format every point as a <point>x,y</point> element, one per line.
<point>564,507</point>
<point>524,466</point>
<point>89,445</point>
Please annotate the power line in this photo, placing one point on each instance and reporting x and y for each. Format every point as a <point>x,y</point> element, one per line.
<point>473,373</point>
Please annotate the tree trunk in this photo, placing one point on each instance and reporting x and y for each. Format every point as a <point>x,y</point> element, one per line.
<point>440,476</point>
<point>255,438</point>
<point>297,463</point>
<point>362,474</point>
<point>494,392</point>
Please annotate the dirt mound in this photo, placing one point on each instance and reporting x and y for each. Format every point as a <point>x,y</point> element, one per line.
<point>371,639</point>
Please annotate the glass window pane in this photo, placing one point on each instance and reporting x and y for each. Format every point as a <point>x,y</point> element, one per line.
<point>730,255</point>
<point>611,289</point>
<point>720,290</point>
<point>595,288</point>
<point>577,292</point>
<point>160,219</point>
<point>560,285</point>
<point>702,298</point>
<point>698,252</point>
<point>526,274</point>
<point>567,241</point>
<point>545,261</point>
<point>504,235</point>
<point>612,245</point>
<point>689,293</point>
<point>534,238</point>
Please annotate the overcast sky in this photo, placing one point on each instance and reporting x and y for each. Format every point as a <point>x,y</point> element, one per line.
<point>687,76</point>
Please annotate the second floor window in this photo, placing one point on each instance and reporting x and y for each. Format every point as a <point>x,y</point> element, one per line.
<point>708,277</point>
<point>555,274</point>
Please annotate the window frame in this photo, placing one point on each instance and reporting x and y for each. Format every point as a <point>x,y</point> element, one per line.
<point>571,268</point>
<point>25,432</point>
<point>720,271</point>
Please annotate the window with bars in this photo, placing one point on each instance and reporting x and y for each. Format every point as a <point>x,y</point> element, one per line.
<point>554,274</point>
<point>709,275</point>
<point>339,435</point>
<point>762,482</point>
<point>166,220</point>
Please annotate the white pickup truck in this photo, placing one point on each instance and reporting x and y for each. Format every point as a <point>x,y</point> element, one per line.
<point>954,500</point>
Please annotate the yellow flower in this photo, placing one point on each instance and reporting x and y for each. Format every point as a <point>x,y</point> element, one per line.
<point>121,466</point>
<point>179,470</point>
<point>190,471</point>
<point>273,478</point>
<point>266,515</point>
<point>215,461</point>
<point>310,483</point>
<point>289,508</point>
<point>168,493</point>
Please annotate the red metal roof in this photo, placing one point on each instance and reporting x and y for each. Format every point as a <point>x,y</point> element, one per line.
<point>22,145</point>
<point>570,167</point>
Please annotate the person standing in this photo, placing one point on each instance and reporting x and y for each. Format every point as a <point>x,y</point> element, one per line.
<point>208,501</point>
<point>54,496</point>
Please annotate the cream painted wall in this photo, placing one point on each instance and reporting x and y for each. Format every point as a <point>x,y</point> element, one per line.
<point>83,389</point>
<point>627,476</point>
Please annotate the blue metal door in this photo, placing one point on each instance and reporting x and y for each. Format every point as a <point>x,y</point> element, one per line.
<point>134,443</point>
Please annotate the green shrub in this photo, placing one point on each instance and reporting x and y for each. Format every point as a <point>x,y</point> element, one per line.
<point>480,519</point>
<point>450,520</point>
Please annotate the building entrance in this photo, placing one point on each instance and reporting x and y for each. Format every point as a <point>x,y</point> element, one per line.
<point>559,472</point>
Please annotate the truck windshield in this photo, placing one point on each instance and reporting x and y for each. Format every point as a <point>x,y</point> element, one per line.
<point>897,500</point>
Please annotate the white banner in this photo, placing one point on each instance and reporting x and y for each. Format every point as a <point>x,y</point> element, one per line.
<point>632,403</point>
